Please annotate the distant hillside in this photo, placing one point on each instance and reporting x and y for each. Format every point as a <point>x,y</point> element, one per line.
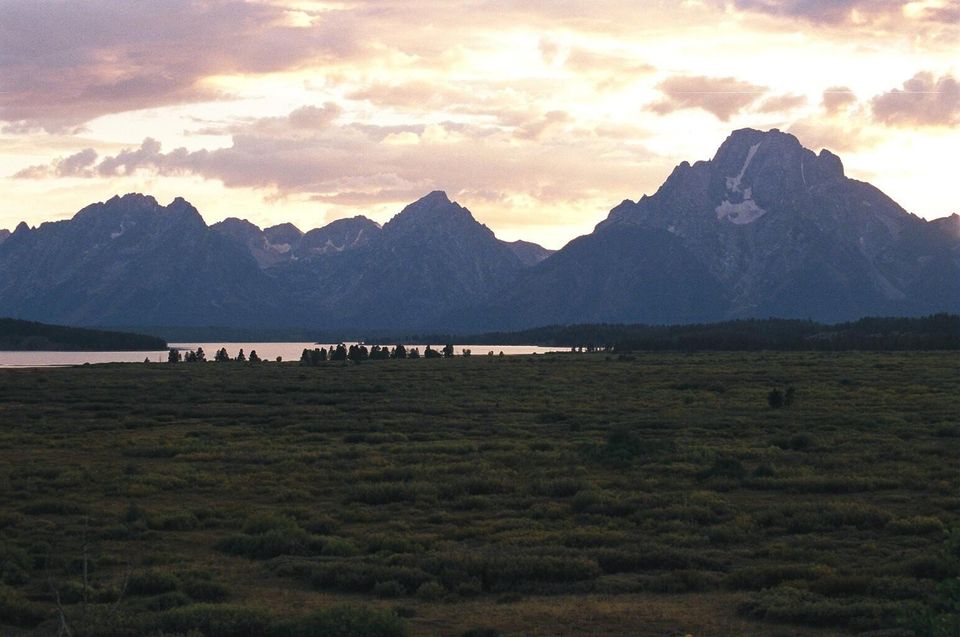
<point>26,335</point>
<point>936,332</point>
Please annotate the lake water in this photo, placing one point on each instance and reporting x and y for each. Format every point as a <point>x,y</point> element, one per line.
<point>266,351</point>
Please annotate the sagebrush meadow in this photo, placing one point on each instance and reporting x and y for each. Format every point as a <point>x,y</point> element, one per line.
<point>516,496</point>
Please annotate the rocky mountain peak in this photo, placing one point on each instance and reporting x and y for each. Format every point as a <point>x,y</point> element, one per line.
<point>283,233</point>
<point>4,233</point>
<point>338,236</point>
<point>433,215</point>
<point>950,225</point>
<point>528,253</point>
<point>753,168</point>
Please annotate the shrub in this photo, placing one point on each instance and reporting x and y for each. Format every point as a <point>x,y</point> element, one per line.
<point>52,507</point>
<point>201,590</point>
<point>173,599</point>
<point>288,540</point>
<point>431,591</point>
<point>918,525</point>
<point>652,557</point>
<point>364,576</point>
<point>175,522</point>
<point>761,577</point>
<point>152,583</point>
<point>724,468</point>
<point>775,399</point>
<point>804,607</point>
<point>381,493</point>
<point>390,588</point>
<point>17,610</point>
<point>683,581</point>
<point>214,621</point>
<point>481,632</point>
<point>601,504</point>
<point>557,488</point>
<point>344,621</point>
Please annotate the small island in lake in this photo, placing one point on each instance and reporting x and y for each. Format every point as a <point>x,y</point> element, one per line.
<point>17,335</point>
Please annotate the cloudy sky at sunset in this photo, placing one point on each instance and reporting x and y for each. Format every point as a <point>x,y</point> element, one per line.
<point>538,115</point>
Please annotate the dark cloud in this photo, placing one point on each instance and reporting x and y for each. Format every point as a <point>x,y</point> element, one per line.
<point>924,100</point>
<point>837,98</point>
<point>930,27</point>
<point>721,96</point>
<point>822,11</point>
<point>949,14</point>
<point>63,62</point>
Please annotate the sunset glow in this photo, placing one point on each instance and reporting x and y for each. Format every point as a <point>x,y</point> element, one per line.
<point>539,117</point>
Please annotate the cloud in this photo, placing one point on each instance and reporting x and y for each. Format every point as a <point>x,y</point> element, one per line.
<point>77,165</point>
<point>413,95</point>
<point>837,98</point>
<point>346,163</point>
<point>837,136</point>
<point>537,128</point>
<point>781,103</point>
<point>586,61</point>
<point>823,11</point>
<point>924,100</point>
<point>721,96</point>
<point>63,63</point>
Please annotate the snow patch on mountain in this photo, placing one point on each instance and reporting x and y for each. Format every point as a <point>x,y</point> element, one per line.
<point>733,183</point>
<point>747,211</point>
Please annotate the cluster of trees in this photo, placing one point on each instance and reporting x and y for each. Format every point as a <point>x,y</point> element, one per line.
<point>934,332</point>
<point>359,352</point>
<point>199,356</point>
<point>30,336</point>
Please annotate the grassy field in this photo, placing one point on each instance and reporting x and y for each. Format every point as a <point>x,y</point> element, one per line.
<point>543,495</point>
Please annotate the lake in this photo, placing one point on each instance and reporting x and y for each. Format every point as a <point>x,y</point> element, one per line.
<point>266,351</point>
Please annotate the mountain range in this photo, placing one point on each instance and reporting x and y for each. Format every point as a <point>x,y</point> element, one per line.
<point>765,228</point>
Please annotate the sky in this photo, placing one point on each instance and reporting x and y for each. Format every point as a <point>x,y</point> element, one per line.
<point>537,115</point>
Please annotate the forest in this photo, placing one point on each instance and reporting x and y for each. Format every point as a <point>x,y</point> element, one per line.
<point>30,336</point>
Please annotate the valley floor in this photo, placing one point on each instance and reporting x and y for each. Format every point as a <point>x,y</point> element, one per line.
<point>557,494</point>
